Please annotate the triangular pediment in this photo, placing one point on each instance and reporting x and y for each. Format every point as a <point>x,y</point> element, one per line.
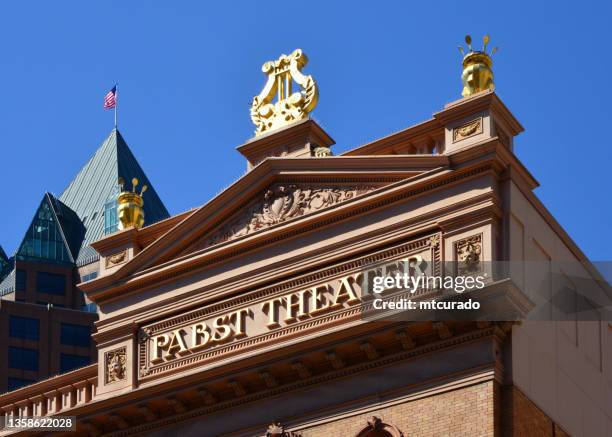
<point>277,193</point>
<point>279,203</point>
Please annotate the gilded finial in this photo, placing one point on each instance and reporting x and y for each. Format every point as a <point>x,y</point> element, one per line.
<point>477,68</point>
<point>289,106</point>
<point>130,205</point>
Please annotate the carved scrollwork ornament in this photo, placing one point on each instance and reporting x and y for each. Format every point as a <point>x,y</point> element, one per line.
<point>281,203</point>
<point>290,106</point>
<point>321,152</point>
<point>472,128</point>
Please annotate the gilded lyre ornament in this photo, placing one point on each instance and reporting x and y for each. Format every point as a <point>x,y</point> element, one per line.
<point>130,206</point>
<point>290,106</point>
<point>477,73</point>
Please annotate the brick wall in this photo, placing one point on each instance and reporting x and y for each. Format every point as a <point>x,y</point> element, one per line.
<point>467,411</point>
<point>521,417</point>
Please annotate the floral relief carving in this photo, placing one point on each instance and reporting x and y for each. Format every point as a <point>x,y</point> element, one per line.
<point>277,430</point>
<point>434,241</point>
<point>472,128</point>
<point>116,365</point>
<point>280,203</point>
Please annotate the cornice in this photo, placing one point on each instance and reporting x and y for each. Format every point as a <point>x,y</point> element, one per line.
<point>166,389</point>
<point>487,154</point>
<point>430,127</point>
<point>117,239</point>
<point>338,169</point>
<point>476,103</point>
<point>280,137</point>
<point>356,207</point>
<point>138,237</point>
<point>483,150</point>
<point>434,126</point>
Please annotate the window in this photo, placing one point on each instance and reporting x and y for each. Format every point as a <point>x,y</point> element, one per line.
<point>90,308</point>
<point>70,362</point>
<point>22,358</point>
<point>23,327</point>
<point>20,281</point>
<point>75,335</point>
<point>89,276</point>
<point>15,383</point>
<point>110,217</point>
<point>44,240</point>
<point>50,283</point>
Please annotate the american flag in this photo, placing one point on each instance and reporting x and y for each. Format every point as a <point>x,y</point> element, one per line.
<point>109,99</point>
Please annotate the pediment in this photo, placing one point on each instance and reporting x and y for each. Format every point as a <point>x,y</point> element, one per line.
<point>275,193</point>
<point>279,203</point>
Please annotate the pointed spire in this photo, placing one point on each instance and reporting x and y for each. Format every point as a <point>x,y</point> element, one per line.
<point>94,190</point>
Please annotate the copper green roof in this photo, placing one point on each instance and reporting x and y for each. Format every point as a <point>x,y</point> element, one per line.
<point>96,184</point>
<point>7,285</point>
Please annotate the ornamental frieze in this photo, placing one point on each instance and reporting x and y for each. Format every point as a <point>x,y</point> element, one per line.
<point>297,307</point>
<point>279,203</point>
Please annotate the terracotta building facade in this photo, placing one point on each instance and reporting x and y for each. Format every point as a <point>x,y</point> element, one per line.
<point>245,317</point>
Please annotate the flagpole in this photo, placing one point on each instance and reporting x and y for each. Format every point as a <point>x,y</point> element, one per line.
<point>116,103</point>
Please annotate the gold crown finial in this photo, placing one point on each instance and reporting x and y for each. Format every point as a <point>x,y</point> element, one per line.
<point>289,106</point>
<point>477,73</point>
<point>130,206</point>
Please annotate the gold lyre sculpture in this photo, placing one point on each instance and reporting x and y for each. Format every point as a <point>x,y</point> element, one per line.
<point>290,106</point>
<point>130,206</point>
<point>477,73</point>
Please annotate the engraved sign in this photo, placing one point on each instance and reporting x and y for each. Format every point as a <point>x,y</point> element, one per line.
<point>293,308</point>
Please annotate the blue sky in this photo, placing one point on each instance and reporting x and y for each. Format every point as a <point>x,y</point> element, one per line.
<point>187,72</point>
